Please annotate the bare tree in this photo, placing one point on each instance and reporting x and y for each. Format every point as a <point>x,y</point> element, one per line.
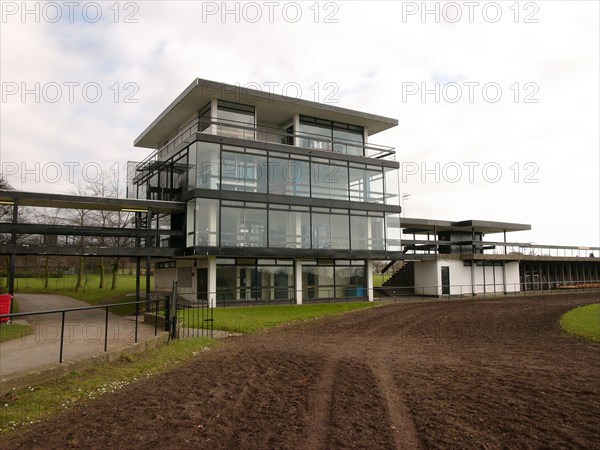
<point>109,186</point>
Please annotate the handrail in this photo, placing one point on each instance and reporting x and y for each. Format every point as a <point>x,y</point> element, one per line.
<point>379,151</point>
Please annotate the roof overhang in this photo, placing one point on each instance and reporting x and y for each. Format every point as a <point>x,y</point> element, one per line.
<point>45,200</point>
<point>270,108</point>
<point>420,226</point>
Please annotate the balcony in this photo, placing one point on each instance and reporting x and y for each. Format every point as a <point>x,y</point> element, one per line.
<point>262,133</point>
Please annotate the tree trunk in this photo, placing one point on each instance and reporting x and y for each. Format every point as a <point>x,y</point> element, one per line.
<point>102,283</point>
<point>7,261</point>
<point>46,273</point>
<point>115,273</point>
<point>79,283</point>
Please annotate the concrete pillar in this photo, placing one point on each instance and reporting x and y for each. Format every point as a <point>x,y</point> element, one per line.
<point>296,130</point>
<point>212,281</point>
<point>298,280</point>
<point>369,275</point>
<point>473,277</point>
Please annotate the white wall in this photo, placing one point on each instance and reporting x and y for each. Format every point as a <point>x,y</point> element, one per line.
<point>426,278</point>
<point>512,277</point>
<point>163,279</point>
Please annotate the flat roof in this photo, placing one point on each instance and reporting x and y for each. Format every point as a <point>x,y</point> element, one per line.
<point>420,226</point>
<point>45,200</point>
<point>270,108</point>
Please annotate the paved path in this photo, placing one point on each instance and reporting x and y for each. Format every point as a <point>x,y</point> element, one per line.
<point>84,334</point>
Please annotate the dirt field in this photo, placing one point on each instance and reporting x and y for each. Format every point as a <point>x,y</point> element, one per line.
<point>459,374</point>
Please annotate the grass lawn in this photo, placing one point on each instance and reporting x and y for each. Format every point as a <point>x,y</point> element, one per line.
<point>10,331</point>
<point>90,293</point>
<point>255,318</point>
<point>379,279</point>
<point>583,321</point>
<point>32,404</point>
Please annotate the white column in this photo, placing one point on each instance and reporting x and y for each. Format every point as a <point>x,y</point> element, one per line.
<point>298,280</point>
<point>369,275</point>
<point>212,281</point>
<point>213,115</point>
<point>296,129</point>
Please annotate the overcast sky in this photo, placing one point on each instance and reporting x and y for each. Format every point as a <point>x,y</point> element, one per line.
<point>497,103</point>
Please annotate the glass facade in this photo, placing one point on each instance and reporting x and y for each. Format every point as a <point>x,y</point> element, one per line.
<point>202,223</point>
<point>324,134</point>
<point>229,168</point>
<point>250,280</point>
<point>214,222</point>
<point>323,279</point>
<point>236,120</point>
<point>243,224</point>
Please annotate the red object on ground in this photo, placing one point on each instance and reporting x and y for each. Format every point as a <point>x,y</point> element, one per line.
<point>5,300</point>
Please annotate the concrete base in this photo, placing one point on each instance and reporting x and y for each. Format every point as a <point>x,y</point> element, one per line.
<point>55,371</point>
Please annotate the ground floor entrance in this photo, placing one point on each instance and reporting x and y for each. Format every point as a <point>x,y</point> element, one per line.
<point>259,281</point>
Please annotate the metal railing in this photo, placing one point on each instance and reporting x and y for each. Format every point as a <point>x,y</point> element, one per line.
<point>484,289</point>
<point>154,304</point>
<point>263,133</point>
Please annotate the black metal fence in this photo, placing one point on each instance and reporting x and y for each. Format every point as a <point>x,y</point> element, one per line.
<point>148,310</point>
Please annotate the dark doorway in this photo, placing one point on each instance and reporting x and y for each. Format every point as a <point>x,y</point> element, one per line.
<point>281,286</point>
<point>202,284</point>
<point>445,280</point>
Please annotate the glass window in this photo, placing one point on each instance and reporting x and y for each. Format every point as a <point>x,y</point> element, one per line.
<point>255,227</point>
<point>255,283</point>
<point>374,185</point>
<point>392,232</point>
<point>392,187</point>
<point>299,177</point>
<point>321,176</point>
<point>256,174</point>
<point>207,222</point>
<point>279,228</point>
<point>357,185</point>
<point>244,172</point>
<point>321,231</point>
<point>289,177</point>
<point>204,118</point>
<point>235,120</point>
<point>279,182</point>
<point>315,136</point>
<point>300,229</point>
<point>343,140</point>
<point>350,282</point>
<point>327,135</point>
<point>206,157</point>
<point>232,171</point>
<point>375,233</point>
<point>339,183</point>
<point>358,227</point>
<point>232,227</point>
<point>340,234</point>
<point>317,282</point>
<point>190,225</point>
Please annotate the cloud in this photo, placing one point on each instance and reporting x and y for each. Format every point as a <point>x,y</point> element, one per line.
<point>371,53</point>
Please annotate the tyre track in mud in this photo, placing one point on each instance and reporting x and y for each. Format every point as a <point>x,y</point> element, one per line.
<point>459,374</point>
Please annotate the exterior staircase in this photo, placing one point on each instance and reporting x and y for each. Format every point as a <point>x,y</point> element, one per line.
<point>401,282</point>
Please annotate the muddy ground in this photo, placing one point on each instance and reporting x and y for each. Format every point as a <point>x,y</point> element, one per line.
<point>454,374</point>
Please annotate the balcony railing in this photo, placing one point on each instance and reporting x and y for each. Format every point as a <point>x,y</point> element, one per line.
<point>262,133</point>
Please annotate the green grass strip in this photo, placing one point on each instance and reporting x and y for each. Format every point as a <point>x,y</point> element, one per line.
<point>90,293</point>
<point>583,321</point>
<point>256,318</point>
<point>10,331</point>
<point>35,403</point>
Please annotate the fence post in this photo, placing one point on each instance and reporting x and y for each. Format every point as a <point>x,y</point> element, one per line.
<point>62,336</point>
<point>106,330</point>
